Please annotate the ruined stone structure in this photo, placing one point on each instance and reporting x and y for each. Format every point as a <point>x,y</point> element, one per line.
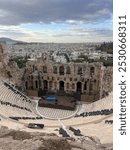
<point>3,57</point>
<point>9,69</point>
<point>87,79</point>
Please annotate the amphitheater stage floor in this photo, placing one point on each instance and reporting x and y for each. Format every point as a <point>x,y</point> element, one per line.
<point>65,107</point>
<point>61,102</point>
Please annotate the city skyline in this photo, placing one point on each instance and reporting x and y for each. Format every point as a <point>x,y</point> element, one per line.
<point>59,21</point>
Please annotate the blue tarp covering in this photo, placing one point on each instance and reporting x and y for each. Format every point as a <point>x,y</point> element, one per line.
<point>51,98</point>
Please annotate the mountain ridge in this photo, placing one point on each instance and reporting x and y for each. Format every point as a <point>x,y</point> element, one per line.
<point>9,40</point>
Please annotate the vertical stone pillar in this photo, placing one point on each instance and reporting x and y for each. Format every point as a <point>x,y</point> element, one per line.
<point>82,88</point>
<point>57,87</point>
<point>58,67</point>
<point>48,85</point>
<point>52,85</point>
<point>88,87</point>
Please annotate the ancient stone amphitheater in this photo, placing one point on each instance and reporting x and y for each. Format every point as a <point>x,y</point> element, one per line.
<point>18,110</point>
<point>89,121</point>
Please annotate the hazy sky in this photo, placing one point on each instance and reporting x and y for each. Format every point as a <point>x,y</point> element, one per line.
<point>56,20</point>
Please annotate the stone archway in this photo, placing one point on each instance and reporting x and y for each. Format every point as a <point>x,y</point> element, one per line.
<point>36,84</point>
<point>79,87</point>
<point>45,85</point>
<point>61,70</point>
<point>61,85</point>
<point>26,85</point>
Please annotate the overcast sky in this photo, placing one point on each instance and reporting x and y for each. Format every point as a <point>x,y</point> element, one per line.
<point>56,20</point>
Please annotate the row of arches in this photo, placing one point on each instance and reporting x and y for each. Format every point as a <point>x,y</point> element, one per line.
<point>62,85</point>
<point>65,70</point>
<point>68,70</point>
<point>61,70</point>
<point>79,86</point>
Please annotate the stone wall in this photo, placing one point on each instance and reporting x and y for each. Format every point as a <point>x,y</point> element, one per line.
<point>107,83</point>
<point>9,69</point>
<point>92,79</point>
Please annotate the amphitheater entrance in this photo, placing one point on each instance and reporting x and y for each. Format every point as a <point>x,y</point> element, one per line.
<point>45,85</point>
<point>79,87</point>
<point>61,85</point>
<point>26,85</point>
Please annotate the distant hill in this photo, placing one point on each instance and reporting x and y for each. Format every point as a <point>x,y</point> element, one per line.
<point>106,47</point>
<point>8,40</point>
